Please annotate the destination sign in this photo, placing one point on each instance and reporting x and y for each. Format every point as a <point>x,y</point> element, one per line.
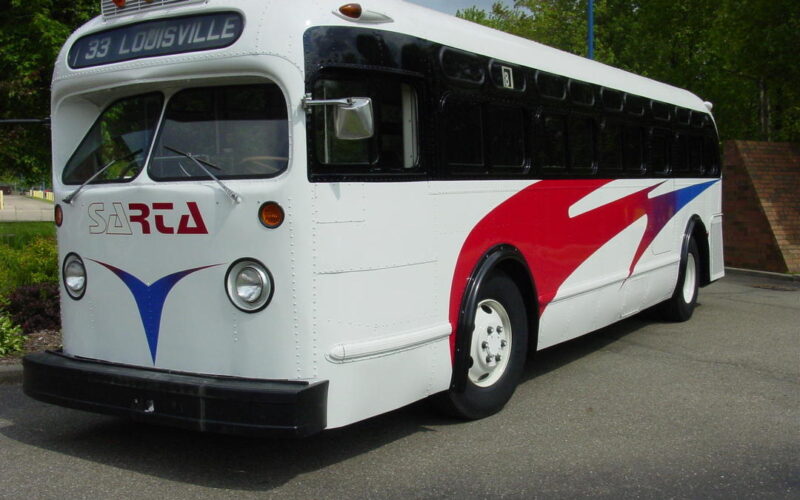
<point>157,38</point>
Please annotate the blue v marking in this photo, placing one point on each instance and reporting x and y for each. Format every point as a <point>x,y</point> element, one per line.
<point>150,299</point>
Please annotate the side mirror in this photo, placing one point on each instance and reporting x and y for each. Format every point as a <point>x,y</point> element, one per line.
<point>354,120</point>
<point>352,116</point>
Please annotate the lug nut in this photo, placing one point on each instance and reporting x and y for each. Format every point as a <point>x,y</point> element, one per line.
<point>499,329</point>
<point>484,345</point>
<point>490,330</point>
<point>503,343</point>
<point>497,358</point>
<point>488,359</point>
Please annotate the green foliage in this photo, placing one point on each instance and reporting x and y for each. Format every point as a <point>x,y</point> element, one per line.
<point>11,339</point>
<point>739,54</point>
<point>36,263</point>
<point>19,234</point>
<point>31,35</point>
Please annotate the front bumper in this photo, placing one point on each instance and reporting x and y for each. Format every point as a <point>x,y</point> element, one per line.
<point>199,402</point>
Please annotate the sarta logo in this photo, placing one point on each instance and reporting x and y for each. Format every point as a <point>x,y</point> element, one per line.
<point>120,219</point>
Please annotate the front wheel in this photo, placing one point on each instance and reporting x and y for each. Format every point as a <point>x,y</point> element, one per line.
<point>681,305</point>
<point>498,345</point>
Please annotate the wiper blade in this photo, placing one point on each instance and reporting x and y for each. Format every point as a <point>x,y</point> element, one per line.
<point>200,163</point>
<point>73,194</point>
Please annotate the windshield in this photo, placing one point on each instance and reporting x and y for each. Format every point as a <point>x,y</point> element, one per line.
<point>118,141</point>
<point>237,131</point>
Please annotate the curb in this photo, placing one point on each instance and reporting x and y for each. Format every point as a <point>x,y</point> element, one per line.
<point>762,274</point>
<point>11,374</point>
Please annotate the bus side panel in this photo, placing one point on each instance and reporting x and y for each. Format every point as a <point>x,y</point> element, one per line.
<point>380,343</point>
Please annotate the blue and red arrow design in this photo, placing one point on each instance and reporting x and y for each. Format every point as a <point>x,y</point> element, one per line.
<point>536,221</point>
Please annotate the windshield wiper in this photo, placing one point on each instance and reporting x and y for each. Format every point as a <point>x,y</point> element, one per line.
<point>73,194</point>
<point>200,163</point>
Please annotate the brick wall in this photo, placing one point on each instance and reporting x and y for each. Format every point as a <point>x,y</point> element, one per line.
<point>761,202</point>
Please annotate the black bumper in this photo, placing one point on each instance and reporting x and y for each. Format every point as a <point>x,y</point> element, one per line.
<point>199,402</point>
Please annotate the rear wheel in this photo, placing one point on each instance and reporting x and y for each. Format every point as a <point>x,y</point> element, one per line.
<point>681,305</point>
<point>498,345</point>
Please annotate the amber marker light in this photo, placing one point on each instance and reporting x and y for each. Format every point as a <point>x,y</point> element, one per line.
<point>271,215</point>
<point>351,10</point>
<point>58,216</point>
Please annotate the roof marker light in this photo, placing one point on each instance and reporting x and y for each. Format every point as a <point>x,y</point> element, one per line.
<point>354,12</point>
<point>351,10</point>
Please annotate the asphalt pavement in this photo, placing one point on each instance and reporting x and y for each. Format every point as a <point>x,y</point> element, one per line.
<point>645,409</point>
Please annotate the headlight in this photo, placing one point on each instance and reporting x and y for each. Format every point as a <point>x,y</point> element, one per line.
<point>74,275</point>
<point>249,285</point>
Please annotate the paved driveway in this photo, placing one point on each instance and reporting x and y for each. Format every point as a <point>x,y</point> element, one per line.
<point>22,208</point>
<point>706,409</point>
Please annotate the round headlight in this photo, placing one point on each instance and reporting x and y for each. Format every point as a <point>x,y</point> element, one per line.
<point>73,273</point>
<point>249,285</point>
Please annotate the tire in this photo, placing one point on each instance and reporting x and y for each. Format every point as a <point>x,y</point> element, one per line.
<point>497,358</point>
<point>681,305</point>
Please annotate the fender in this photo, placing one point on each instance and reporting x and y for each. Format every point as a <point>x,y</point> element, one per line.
<point>695,224</point>
<point>463,331</point>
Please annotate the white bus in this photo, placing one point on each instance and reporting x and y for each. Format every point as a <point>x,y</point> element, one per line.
<point>282,217</point>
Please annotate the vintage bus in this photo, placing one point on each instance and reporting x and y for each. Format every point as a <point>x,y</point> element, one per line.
<point>282,217</point>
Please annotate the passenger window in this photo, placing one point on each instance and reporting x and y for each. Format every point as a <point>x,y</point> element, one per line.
<point>611,147</point>
<point>659,152</point>
<point>696,156</point>
<point>634,150</point>
<point>464,136</point>
<point>552,86</point>
<point>506,134</point>
<point>678,159</point>
<point>393,147</point>
<point>552,147</point>
<point>581,141</point>
<point>582,93</point>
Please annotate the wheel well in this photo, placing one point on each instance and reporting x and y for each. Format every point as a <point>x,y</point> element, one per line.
<point>521,277</point>
<point>700,236</point>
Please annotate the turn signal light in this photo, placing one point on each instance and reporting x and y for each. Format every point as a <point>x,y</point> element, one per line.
<point>351,10</point>
<point>58,216</point>
<point>271,215</point>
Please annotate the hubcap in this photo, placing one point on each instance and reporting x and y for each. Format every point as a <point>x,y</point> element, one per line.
<point>491,343</point>
<point>689,279</point>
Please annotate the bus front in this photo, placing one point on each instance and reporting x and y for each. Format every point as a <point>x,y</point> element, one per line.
<point>174,145</point>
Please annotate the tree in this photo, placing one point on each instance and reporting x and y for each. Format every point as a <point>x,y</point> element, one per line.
<point>738,54</point>
<point>31,34</point>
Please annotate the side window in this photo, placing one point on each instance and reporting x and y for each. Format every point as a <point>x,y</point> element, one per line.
<point>394,148</point>
<point>696,156</point>
<point>659,152</point>
<point>679,157</point>
<point>634,150</point>
<point>552,144</point>
<point>611,156</point>
<point>506,138</point>
<point>710,156</point>
<point>464,136</point>
<point>581,141</point>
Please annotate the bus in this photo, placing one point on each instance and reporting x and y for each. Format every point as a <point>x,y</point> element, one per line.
<point>276,218</point>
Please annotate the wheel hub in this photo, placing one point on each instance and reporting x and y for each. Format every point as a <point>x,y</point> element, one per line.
<point>491,343</point>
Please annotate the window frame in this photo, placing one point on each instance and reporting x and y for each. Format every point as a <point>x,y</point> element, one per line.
<point>318,171</point>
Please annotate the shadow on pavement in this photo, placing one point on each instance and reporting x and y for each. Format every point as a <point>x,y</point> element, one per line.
<point>245,464</point>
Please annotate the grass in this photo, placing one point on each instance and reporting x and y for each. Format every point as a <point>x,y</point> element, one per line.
<point>19,234</point>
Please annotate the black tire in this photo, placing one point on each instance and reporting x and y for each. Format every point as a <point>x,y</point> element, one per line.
<point>486,396</point>
<point>677,308</point>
